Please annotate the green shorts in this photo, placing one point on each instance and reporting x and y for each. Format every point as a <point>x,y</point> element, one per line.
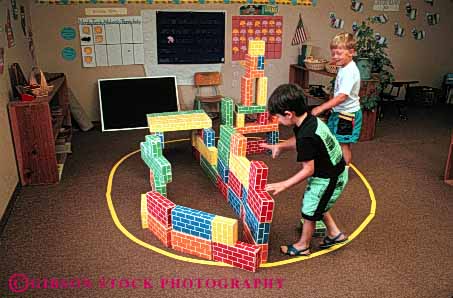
<point>346,126</point>
<point>321,194</point>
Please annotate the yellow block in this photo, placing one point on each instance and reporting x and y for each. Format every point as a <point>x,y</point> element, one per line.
<point>261,92</point>
<point>240,120</point>
<point>209,153</point>
<point>240,166</point>
<point>256,47</point>
<point>224,230</point>
<point>176,122</point>
<point>144,211</point>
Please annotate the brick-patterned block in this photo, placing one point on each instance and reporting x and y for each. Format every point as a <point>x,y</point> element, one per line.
<point>263,118</point>
<point>261,204</point>
<point>248,238</point>
<point>222,187</point>
<point>160,207</point>
<point>235,185</point>
<point>238,144</point>
<point>242,255</point>
<point>208,135</point>
<point>244,195</point>
<point>260,231</point>
<point>191,245</point>
<point>246,91</point>
<point>143,211</point>
<point>193,222</point>
<point>162,232</point>
<point>255,128</point>
<point>224,230</point>
<point>253,146</point>
<point>222,170</point>
<point>235,202</point>
<point>258,175</point>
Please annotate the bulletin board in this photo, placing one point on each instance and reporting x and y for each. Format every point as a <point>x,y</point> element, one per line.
<point>267,28</point>
<point>189,37</point>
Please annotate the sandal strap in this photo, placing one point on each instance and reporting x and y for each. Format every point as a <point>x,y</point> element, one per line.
<point>328,240</point>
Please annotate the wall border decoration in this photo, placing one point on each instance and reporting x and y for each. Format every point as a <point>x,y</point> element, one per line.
<point>93,2</point>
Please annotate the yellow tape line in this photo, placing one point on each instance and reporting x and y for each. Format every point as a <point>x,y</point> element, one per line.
<point>213,263</point>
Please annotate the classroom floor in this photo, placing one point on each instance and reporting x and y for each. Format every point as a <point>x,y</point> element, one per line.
<point>66,231</point>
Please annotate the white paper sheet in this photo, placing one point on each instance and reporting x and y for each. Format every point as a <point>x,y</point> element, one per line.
<point>112,33</point>
<point>127,52</point>
<point>139,56</point>
<point>114,54</point>
<point>101,55</point>
<point>126,33</point>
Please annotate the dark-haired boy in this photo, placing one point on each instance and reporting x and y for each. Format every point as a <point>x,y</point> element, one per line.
<point>322,164</point>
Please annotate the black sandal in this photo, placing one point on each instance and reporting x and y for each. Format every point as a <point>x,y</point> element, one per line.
<point>293,252</point>
<point>329,242</point>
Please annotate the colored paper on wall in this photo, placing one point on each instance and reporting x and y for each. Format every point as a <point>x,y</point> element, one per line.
<point>386,5</point>
<point>9,31</point>
<point>258,9</point>
<point>267,28</point>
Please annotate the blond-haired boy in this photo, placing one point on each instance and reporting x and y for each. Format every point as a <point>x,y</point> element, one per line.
<point>345,121</point>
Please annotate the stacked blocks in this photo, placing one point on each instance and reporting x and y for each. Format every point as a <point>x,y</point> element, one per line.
<point>159,216</point>
<point>242,182</point>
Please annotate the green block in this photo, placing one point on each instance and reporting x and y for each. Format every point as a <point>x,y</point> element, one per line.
<point>210,171</point>
<point>223,152</point>
<point>153,145</point>
<point>226,111</point>
<point>254,109</point>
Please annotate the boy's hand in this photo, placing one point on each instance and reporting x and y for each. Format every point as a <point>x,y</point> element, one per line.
<point>316,111</point>
<point>274,148</point>
<point>276,188</point>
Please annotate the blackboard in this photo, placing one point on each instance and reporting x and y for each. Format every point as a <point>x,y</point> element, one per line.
<point>189,37</point>
<point>124,102</point>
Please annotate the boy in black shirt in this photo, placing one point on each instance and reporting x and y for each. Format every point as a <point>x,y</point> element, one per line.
<point>322,164</point>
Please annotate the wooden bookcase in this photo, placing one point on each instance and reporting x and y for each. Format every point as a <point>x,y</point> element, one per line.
<point>36,125</point>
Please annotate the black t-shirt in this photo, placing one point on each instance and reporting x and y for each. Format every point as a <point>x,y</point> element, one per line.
<point>314,141</point>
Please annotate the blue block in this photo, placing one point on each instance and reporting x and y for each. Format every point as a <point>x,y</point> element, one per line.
<point>234,202</point>
<point>199,224</point>
<point>244,196</point>
<point>260,65</point>
<point>259,231</point>
<point>222,170</point>
<point>209,137</point>
<point>272,137</point>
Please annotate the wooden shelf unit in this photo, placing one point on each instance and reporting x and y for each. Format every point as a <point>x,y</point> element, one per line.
<point>35,127</point>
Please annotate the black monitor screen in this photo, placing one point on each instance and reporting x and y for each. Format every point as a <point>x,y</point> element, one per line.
<point>125,102</point>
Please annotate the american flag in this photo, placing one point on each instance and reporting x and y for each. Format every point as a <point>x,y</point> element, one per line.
<point>300,36</point>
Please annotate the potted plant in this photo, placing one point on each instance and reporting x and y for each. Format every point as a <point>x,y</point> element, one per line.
<point>373,63</point>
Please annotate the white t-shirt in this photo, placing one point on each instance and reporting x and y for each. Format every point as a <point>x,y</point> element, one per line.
<point>348,82</point>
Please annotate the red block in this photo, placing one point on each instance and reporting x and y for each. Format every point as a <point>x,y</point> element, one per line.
<point>255,128</point>
<point>191,245</point>
<point>253,146</point>
<point>151,180</point>
<point>246,91</point>
<point>258,175</point>
<point>261,204</point>
<point>263,118</point>
<point>160,207</point>
<point>162,232</point>
<point>222,187</point>
<point>248,238</point>
<point>242,255</point>
<point>235,184</point>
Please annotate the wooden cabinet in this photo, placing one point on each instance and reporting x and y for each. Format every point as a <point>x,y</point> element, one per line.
<point>37,126</point>
<point>301,75</point>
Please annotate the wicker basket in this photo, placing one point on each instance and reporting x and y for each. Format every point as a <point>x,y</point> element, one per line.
<point>332,68</point>
<point>315,64</point>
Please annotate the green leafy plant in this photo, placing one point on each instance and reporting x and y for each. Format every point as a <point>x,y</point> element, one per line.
<point>368,46</point>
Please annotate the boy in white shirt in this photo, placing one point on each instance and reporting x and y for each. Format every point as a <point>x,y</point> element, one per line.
<point>345,121</point>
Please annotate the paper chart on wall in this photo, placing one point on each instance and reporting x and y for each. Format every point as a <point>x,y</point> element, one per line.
<point>110,41</point>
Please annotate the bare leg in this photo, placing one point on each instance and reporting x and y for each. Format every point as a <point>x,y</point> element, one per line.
<point>347,152</point>
<point>305,237</point>
<point>332,228</point>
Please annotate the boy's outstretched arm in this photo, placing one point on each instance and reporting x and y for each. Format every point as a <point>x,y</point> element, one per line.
<point>308,168</point>
<point>329,104</point>
<point>276,149</point>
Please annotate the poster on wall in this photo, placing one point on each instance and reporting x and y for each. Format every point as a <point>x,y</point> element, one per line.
<point>432,18</point>
<point>335,22</point>
<point>386,5</point>
<point>9,31</point>
<point>267,28</point>
<point>356,6</point>
<point>111,41</point>
<point>399,31</point>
